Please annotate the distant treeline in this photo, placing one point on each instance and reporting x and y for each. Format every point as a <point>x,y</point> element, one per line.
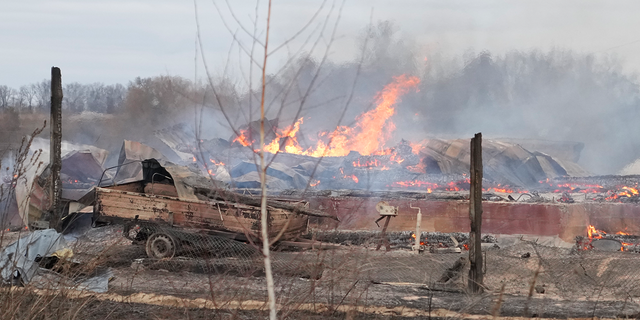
<point>96,97</point>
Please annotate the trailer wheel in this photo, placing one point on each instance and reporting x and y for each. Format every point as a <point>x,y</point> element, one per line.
<point>161,246</point>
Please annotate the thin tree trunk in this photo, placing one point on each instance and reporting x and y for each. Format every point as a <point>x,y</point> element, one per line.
<point>264,218</point>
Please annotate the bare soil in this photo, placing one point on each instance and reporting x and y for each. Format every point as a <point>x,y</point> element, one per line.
<point>356,282</point>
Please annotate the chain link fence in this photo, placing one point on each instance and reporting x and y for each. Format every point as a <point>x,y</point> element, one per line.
<point>156,259</point>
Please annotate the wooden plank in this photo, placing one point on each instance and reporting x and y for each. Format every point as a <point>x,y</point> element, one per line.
<point>136,186</point>
<point>161,189</point>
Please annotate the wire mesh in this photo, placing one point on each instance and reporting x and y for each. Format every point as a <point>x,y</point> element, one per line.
<point>175,249</point>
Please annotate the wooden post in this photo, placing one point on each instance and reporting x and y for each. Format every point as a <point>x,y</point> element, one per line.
<point>383,236</point>
<point>418,223</point>
<point>55,151</point>
<point>475,215</point>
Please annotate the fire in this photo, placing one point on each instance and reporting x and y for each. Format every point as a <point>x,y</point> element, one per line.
<point>395,157</point>
<point>416,183</point>
<point>368,136</point>
<point>314,183</point>
<point>217,163</point>
<point>353,177</point>
<point>623,192</point>
<point>346,176</point>
<point>372,129</point>
<point>243,138</point>
<point>421,167</point>
<point>594,233</point>
<point>290,143</point>
<point>367,163</point>
<point>413,236</point>
<point>416,147</point>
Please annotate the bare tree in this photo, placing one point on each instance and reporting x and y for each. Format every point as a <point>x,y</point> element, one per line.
<point>6,93</point>
<point>74,97</point>
<point>286,99</point>
<point>43,94</point>
<point>115,95</point>
<point>28,95</point>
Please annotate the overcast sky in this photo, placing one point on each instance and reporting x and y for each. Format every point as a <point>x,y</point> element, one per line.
<point>116,41</point>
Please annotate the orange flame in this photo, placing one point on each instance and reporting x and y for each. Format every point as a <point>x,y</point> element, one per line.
<point>243,138</point>
<point>594,233</point>
<point>367,163</point>
<point>416,147</point>
<point>421,167</point>
<point>217,163</point>
<point>395,157</point>
<point>352,176</point>
<point>372,129</point>
<point>367,136</point>
<point>290,143</point>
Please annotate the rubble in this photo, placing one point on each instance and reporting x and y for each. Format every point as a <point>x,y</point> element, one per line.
<point>19,261</point>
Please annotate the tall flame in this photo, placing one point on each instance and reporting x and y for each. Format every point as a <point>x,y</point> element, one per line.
<point>368,136</point>
<point>290,143</point>
<point>371,130</point>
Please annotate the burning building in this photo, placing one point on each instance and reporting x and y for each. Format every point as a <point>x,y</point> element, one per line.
<point>530,186</point>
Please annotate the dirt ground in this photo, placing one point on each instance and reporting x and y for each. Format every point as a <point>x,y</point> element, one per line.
<point>355,282</point>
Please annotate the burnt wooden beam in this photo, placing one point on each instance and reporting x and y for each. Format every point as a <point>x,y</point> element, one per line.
<point>475,215</point>
<point>55,148</point>
<point>224,195</point>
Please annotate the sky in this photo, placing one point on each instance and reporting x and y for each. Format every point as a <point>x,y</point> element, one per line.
<point>116,41</point>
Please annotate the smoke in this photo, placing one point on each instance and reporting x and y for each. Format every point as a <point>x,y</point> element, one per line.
<point>557,95</point>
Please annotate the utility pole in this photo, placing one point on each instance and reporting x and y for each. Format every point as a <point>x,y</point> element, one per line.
<point>55,151</point>
<point>475,215</point>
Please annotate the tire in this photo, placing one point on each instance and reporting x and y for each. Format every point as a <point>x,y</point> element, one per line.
<point>161,246</point>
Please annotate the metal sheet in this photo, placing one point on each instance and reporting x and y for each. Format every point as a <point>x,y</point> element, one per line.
<point>18,259</point>
<point>129,162</point>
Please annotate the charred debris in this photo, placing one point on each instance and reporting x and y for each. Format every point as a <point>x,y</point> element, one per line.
<point>210,186</point>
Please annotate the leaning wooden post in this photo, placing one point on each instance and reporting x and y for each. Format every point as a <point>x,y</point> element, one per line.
<point>475,214</point>
<point>55,148</point>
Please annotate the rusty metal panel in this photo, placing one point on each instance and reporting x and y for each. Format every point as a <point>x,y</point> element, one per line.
<point>544,219</point>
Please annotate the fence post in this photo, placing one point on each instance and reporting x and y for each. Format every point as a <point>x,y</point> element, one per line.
<point>475,215</point>
<point>55,147</point>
